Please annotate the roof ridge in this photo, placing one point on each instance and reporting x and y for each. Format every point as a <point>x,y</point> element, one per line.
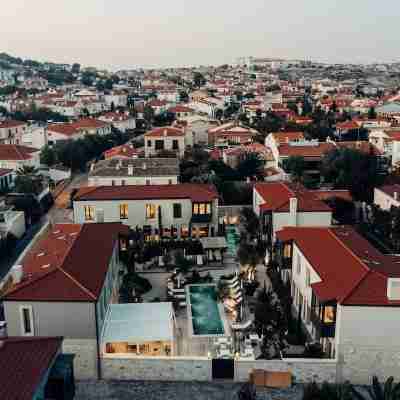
<point>358,259</point>
<point>60,268</point>
<point>353,289</point>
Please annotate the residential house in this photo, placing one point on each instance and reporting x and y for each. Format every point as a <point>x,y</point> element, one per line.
<point>196,128</point>
<point>282,204</point>
<point>14,156</point>
<point>11,131</point>
<point>163,139</point>
<point>230,133</point>
<point>34,368</point>
<point>138,171</point>
<point>182,210</point>
<point>180,111</point>
<point>121,121</point>
<point>77,130</point>
<point>158,106</point>
<point>117,98</point>
<point>64,286</point>
<point>234,155</point>
<point>387,196</point>
<point>342,286</point>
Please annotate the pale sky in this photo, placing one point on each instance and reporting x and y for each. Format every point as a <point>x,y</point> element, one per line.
<point>132,33</point>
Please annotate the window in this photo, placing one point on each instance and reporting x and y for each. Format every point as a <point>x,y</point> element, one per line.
<point>159,145</point>
<point>201,208</point>
<point>89,213</point>
<point>122,182</point>
<point>308,279</point>
<point>177,210</point>
<point>26,314</point>
<point>150,211</point>
<point>298,265</point>
<point>184,231</point>
<point>328,314</point>
<point>147,182</point>
<point>169,181</point>
<point>175,145</point>
<point>149,143</point>
<point>123,211</point>
<point>113,183</point>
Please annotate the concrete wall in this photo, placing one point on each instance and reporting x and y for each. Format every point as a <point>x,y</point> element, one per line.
<point>156,369</point>
<point>303,370</point>
<point>71,320</point>
<point>368,342</point>
<point>85,361</point>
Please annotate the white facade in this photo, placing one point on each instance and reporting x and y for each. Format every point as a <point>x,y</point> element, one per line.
<point>12,222</point>
<point>154,144</point>
<point>137,214</point>
<point>34,161</point>
<point>36,137</point>
<point>385,201</point>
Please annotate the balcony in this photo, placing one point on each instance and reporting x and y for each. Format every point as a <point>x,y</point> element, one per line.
<point>201,218</point>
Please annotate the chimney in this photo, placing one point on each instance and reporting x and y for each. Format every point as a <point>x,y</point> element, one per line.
<point>165,132</point>
<point>17,273</point>
<point>396,196</point>
<point>293,211</point>
<point>91,167</point>
<point>130,170</point>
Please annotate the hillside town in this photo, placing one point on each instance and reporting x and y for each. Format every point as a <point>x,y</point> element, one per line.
<point>238,222</point>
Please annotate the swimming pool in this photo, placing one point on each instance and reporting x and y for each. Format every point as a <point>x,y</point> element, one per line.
<point>232,239</point>
<point>206,316</point>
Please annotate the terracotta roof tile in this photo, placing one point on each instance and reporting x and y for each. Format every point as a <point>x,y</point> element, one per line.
<point>14,152</point>
<point>24,363</point>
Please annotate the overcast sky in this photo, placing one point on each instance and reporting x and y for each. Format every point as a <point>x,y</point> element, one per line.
<point>133,33</point>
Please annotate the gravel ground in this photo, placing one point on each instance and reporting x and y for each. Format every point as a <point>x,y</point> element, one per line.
<point>129,390</point>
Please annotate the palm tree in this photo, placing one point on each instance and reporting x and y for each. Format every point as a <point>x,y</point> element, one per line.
<point>376,392</point>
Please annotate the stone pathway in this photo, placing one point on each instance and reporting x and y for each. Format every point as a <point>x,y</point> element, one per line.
<point>130,390</point>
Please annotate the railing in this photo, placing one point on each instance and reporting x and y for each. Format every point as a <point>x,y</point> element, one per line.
<point>201,218</point>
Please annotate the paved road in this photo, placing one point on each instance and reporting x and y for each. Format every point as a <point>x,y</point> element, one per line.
<point>175,391</point>
<point>60,213</point>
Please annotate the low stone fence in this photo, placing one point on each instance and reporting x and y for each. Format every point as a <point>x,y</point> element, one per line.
<point>303,369</point>
<point>200,368</point>
<point>157,369</point>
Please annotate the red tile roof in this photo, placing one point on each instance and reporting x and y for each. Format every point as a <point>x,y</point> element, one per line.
<point>352,271</point>
<point>195,192</point>
<point>70,129</point>
<point>124,150</point>
<point>69,264</point>
<point>277,197</point>
<point>11,124</point>
<point>180,108</point>
<point>347,125</point>
<point>4,171</point>
<point>390,190</point>
<point>330,194</point>
<point>24,363</point>
<point>165,131</point>
<point>308,151</point>
<point>15,152</point>
<point>285,137</point>
<point>363,146</point>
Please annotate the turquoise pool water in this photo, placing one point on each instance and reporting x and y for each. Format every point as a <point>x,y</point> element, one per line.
<point>206,318</point>
<point>232,239</point>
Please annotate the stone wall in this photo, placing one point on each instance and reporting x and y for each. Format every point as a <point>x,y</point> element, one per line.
<point>85,361</point>
<point>157,369</point>
<point>303,370</point>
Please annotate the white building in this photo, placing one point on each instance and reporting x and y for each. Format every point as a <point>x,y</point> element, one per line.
<point>282,204</point>
<point>181,210</point>
<point>6,179</point>
<point>138,171</point>
<point>15,156</point>
<point>121,121</point>
<point>387,196</point>
<point>168,139</point>
<point>347,295</point>
<point>11,131</point>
